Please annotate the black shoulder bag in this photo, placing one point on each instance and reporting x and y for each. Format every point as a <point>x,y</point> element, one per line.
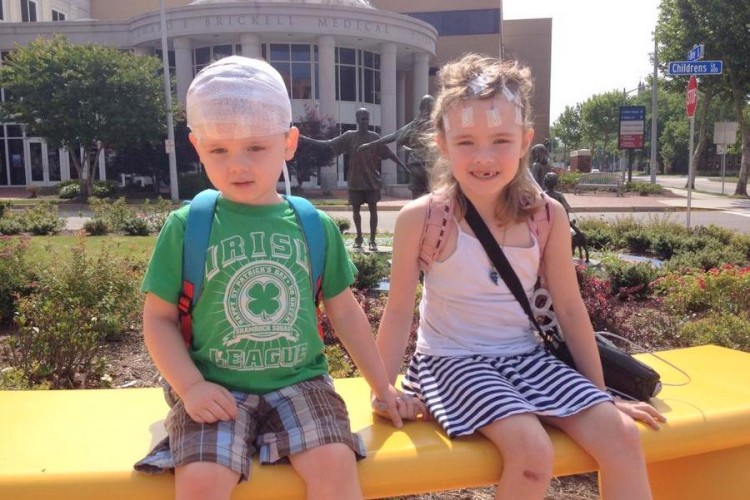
<point>623,374</point>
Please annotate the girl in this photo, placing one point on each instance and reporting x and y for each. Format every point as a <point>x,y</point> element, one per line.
<point>478,367</point>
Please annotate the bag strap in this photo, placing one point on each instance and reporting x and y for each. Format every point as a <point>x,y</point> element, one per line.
<point>437,226</point>
<point>195,244</point>
<point>500,261</point>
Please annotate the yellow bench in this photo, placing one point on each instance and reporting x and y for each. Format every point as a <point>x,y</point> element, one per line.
<point>82,444</point>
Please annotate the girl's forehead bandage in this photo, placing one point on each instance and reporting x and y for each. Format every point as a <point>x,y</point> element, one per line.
<point>467,116</point>
<point>238,97</point>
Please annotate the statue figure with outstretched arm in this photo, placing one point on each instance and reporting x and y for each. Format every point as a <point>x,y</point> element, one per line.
<point>363,181</point>
<point>411,137</point>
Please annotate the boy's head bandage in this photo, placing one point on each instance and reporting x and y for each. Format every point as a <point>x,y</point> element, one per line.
<point>238,97</point>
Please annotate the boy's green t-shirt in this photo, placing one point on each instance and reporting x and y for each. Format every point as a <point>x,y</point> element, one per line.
<point>255,325</point>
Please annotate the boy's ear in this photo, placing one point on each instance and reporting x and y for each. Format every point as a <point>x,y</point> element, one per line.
<point>193,140</point>
<point>292,140</point>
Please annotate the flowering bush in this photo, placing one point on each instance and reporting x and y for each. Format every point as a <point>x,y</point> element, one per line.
<point>726,288</point>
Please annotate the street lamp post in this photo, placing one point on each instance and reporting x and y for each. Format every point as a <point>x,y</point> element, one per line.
<point>169,145</point>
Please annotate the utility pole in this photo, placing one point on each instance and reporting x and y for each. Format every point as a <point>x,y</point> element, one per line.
<point>500,30</point>
<point>654,114</point>
<point>169,144</point>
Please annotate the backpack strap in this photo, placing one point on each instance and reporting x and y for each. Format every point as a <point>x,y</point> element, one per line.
<point>437,226</point>
<point>197,232</point>
<point>312,229</point>
<point>540,225</point>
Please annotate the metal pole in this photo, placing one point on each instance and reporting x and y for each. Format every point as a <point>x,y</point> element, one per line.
<point>173,191</point>
<point>723,169</point>
<point>690,172</point>
<point>654,114</point>
<point>500,29</point>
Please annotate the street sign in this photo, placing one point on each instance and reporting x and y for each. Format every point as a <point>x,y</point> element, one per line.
<point>725,132</point>
<point>632,125</point>
<point>169,146</point>
<point>695,67</point>
<point>691,96</point>
<point>696,52</point>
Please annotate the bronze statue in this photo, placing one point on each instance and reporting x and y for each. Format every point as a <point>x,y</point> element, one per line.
<point>578,237</point>
<point>411,137</point>
<point>363,181</point>
<point>540,166</point>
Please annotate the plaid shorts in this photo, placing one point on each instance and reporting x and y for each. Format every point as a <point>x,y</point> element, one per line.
<point>278,424</point>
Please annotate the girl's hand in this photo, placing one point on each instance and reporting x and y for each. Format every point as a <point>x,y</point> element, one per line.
<point>408,407</point>
<point>640,411</point>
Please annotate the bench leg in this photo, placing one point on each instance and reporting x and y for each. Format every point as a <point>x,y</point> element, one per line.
<point>719,475</point>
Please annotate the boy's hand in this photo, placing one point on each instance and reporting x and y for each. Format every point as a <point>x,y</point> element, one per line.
<point>406,407</point>
<point>207,403</point>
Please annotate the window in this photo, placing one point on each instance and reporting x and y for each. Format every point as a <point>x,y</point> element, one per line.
<point>462,22</point>
<point>204,56</point>
<point>57,15</point>
<point>357,75</point>
<point>295,64</point>
<point>28,11</point>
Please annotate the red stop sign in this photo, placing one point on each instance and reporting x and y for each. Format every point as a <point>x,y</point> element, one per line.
<point>691,96</point>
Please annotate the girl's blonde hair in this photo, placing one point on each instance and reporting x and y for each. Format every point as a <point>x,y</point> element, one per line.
<point>458,82</point>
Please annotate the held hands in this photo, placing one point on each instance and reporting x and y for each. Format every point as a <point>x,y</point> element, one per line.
<point>640,411</point>
<point>207,402</point>
<point>398,406</point>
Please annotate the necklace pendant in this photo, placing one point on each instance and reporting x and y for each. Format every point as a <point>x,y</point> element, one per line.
<point>494,276</point>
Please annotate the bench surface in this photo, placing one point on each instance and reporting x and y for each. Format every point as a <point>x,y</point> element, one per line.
<point>82,444</point>
<point>596,180</point>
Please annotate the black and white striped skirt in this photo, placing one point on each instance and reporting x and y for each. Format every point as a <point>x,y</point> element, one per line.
<point>469,392</point>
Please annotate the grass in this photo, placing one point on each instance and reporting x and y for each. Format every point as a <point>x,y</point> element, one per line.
<point>44,249</point>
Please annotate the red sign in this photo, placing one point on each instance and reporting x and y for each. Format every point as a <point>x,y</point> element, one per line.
<point>691,96</point>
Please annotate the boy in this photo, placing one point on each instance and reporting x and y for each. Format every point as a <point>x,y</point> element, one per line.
<point>255,377</point>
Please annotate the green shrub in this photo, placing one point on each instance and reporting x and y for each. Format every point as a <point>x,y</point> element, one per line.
<point>69,191</point>
<point>637,241</point>
<point>720,328</point>
<point>643,188</point>
<point>598,233</point>
<point>136,226</point>
<point>712,255</point>
<point>156,213</point>
<point>627,279</point>
<point>372,268</point>
<point>42,219</point>
<point>103,189</point>
<point>78,302</point>
<point>12,274</point>
<point>117,214</point>
<point>96,227</point>
<point>11,225</point>
<point>5,206</point>
<point>343,223</point>
<point>339,364</point>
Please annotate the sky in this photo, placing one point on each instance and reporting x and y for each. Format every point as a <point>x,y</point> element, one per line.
<point>597,45</point>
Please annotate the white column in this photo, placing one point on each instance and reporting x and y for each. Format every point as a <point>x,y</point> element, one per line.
<point>421,79</point>
<point>250,45</point>
<point>327,91</point>
<point>388,104</point>
<point>401,98</point>
<point>183,62</point>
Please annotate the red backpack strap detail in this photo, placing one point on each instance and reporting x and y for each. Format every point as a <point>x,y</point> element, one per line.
<point>185,308</point>
<point>437,227</point>
<point>540,225</point>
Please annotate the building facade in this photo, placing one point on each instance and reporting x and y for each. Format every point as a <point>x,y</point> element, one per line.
<point>337,55</point>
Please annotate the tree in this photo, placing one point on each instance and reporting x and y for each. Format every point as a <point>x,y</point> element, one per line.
<point>600,116</point>
<point>84,98</point>
<point>722,25</point>
<point>310,158</point>
<point>567,128</point>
